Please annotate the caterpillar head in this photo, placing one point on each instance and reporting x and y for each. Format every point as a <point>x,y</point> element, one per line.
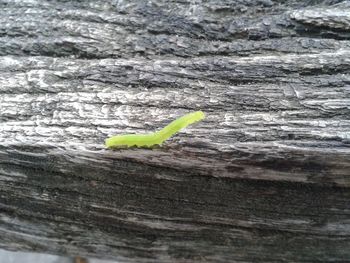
<point>117,142</point>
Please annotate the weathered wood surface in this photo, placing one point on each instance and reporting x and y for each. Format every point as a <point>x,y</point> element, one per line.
<point>266,177</point>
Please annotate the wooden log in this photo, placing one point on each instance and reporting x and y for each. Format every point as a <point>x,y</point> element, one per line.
<point>265,177</point>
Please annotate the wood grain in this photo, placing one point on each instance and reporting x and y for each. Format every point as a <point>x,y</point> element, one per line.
<point>266,177</point>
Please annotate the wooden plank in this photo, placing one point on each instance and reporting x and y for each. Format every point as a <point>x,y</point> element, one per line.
<point>266,176</point>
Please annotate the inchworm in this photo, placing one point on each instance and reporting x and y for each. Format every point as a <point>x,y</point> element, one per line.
<point>158,137</point>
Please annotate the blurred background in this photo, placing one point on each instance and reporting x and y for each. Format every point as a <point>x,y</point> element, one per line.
<point>21,257</point>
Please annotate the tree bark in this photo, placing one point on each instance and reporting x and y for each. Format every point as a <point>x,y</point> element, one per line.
<point>265,177</point>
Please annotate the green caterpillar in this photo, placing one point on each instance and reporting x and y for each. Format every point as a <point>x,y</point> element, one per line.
<point>148,140</point>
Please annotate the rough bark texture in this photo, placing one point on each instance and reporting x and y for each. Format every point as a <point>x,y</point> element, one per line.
<point>266,177</point>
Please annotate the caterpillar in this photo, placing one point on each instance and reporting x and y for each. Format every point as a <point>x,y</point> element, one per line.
<point>155,138</point>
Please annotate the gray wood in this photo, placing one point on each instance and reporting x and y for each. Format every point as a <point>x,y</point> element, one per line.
<point>265,177</point>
